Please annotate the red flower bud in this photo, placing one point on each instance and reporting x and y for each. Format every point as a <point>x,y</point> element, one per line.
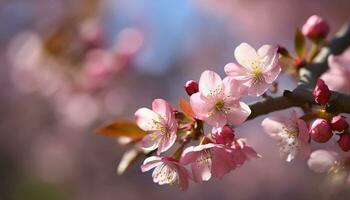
<point>339,123</point>
<point>321,92</point>
<point>315,28</point>
<point>191,87</point>
<point>320,131</point>
<point>344,142</point>
<point>224,135</point>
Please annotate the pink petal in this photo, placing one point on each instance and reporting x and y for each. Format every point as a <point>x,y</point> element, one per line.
<point>257,88</point>
<point>162,107</point>
<point>222,162</point>
<point>272,71</point>
<point>303,130</point>
<point>201,172</point>
<point>235,71</point>
<point>200,106</point>
<point>183,177</point>
<point>210,85</point>
<point>267,53</point>
<point>150,163</point>
<point>322,160</point>
<point>238,114</point>
<point>149,143</point>
<point>166,142</point>
<point>272,126</point>
<point>234,89</point>
<point>189,155</point>
<point>217,119</point>
<point>145,119</point>
<point>244,54</point>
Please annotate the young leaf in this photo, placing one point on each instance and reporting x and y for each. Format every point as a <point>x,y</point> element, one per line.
<point>121,128</point>
<point>186,108</point>
<point>299,43</point>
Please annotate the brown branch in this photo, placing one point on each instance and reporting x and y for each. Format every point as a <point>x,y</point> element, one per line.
<point>302,94</point>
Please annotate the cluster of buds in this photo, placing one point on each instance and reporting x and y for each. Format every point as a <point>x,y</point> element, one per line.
<point>321,130</point>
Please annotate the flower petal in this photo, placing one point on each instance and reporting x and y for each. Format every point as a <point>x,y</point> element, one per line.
<point>145,119</point>
<point>217,119</point>
<point>267,53</point>
<point>257,88</point>
<point>238,114</point>
<point>210,85</point>
<point>322,160</point>
<point>222,162</point>
<point>244,54</point>
<point>235,71</point>
<point>200,106</point>
<point>150,163</point>
<point>150,143</point>
<point>163,108</point>
<point>234,89</point>
<point>166,142</point>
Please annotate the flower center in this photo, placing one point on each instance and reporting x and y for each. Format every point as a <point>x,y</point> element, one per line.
<point>219,104</point>
<point>257,72</point>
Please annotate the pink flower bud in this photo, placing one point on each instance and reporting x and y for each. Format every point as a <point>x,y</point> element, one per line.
<point>339,123</point>
<point>320,131</point>
<point>321,92</point>
<point>315,28</point>
<point>191,87</point>
<point>344,142</point>
<point>224,135</point>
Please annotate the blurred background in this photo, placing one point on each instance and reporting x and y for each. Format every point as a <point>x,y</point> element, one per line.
<point>69,65</point>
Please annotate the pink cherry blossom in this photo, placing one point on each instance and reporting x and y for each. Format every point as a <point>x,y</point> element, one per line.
<point>167,171</point>
<point>241,152</point>
<point>322,161</point>
<point>291,134</point>
<point>218,101</point>
<point>207,161</point>
<point>160,123</point>
<point>337,77</point>
<point>257,69</point>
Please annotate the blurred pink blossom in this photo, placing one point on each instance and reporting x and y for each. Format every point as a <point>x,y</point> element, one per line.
<point>257,69</point>
<point>315,28</point>
<point>337,77</point>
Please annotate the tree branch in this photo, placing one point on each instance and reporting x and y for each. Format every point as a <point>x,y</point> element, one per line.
<point>302,94</point>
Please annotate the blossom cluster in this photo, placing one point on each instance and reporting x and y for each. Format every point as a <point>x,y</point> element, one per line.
<point>213,101</point>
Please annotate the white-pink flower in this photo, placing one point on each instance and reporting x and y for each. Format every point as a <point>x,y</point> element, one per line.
<point>207,160</point>
<point>160,123</point>
<point>322,161</point>
<point>337,77</point>
<point>291,134</point>
<point>257,69</point>
<point>167,171</point>
<point>218,101</point>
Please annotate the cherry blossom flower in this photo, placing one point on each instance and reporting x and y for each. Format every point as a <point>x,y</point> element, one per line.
<point>322,161</point>
<point>207,160</point>
<point>160,123</point>
<point>337,77</point>
<point>257,69</point>
<point>291,134</point>
<point>218,101</point>
<point>167,171</point>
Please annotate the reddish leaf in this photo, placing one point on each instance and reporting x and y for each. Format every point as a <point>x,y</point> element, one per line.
<point>122,128</point>
<point>186,108</point>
